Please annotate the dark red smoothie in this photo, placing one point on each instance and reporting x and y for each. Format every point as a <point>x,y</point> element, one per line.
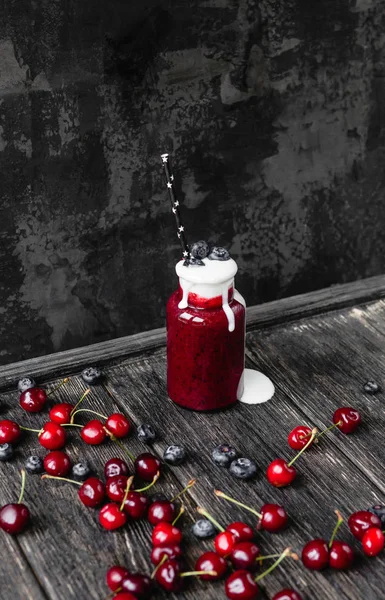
<point>205,360</point>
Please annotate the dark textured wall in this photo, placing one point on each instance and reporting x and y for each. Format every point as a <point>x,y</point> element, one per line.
<point>273,110</point>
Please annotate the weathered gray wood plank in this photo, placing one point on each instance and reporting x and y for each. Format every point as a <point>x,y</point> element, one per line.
<point>321,364</point>
<point>65,546</point>
<point>328,479</point>
<point>17,580</point>
<point>265,315</point>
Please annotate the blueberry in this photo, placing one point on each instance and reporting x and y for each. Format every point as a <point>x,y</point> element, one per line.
<point>200,249</point>
<point>26,383</point>
<point>243,468</point>
<point>174,455</point>
<point>219,253</point>
<point>371,387</point>
<point>91,375</point>
<point>194,262</point>
<point>203,529</point>
<point>158,497</point>
<point>81,471</point>
<point>223,455</point>
<point>379,510</point>
<point>6,452</point>
<point>34,465</point>
<point>146,433</point>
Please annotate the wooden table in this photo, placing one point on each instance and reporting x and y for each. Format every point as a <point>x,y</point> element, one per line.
<point>319,349</point>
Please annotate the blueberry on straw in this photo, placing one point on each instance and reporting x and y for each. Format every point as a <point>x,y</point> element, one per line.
<point>200,249</point>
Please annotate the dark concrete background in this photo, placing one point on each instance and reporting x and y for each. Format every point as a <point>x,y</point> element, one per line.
<point>273,110</point>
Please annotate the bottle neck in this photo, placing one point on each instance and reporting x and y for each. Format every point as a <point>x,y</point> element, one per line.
<point>205,296</point>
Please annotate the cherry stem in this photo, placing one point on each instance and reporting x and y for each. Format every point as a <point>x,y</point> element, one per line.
<point>114,439</point>
<point>204,513</point>
<point>313,434</point>
<point>153,482</point>
<point>165,557</point>
<point>340,520</point>
<point>225,497</point>
<point>261,558</point>
<point>274,565</point>
<point>188,486</point>
<point>81,400</point>
<point>302,437</point>
<point>180,513</point>
<point>192,573</point>
<point>29,429</point>
<point>22,486</point>
<point>58,386</point>
<point>129,484</point>
<point>71,425</point>
<point>88,410</point>
<point>61,479</point>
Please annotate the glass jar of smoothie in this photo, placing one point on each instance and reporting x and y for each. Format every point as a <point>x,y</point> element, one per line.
<point>206,334</point>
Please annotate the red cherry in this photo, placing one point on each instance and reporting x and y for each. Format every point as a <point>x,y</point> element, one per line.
<point>299,437</point>
<point>93,433</point>
<point>287,594</point>
<point>315,555</point>
<point>136,505</point>
<point>118,425</point>
<point>125,596</point>
<point>111,517</point>
<point>14,518</point>
<point>341,555</point>
<point>9,432</point>
<point>373,541</point>
<point>241,531</point>
<point>61,413</point>
<point>168,576</point>
<point>165,533</point>
<point>57,463</point>
<point>115,576</point>
<point>347,419</point>
<point>362,520</point>
<point>116,487</point>
<point>137,584</point>
<point>241,586</point>
<point>244,554</point>
<point>147,466</point>
<point>33,400</point>
<point>224,542</point>
<point>211,561</point>
<point>92,492</point>
<point>52,436</point>
<point>274,517</point>
<point>115,466</point>
<point>280,474</point>
<point>161,511</point>
<point>171,551</point>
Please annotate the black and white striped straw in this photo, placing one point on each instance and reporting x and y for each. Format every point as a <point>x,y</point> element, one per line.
<point>175,206</point>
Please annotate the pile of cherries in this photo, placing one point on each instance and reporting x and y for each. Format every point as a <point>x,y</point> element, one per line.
<point>124,502</point>
<point>234,547</point>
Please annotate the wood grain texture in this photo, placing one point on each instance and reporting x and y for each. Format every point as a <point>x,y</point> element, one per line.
<point>323,363</point>
<point>328,480</point>
<point>264,315</point>
<point>66,547</point>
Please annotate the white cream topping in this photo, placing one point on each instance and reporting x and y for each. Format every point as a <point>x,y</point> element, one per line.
<point>209,281</point>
